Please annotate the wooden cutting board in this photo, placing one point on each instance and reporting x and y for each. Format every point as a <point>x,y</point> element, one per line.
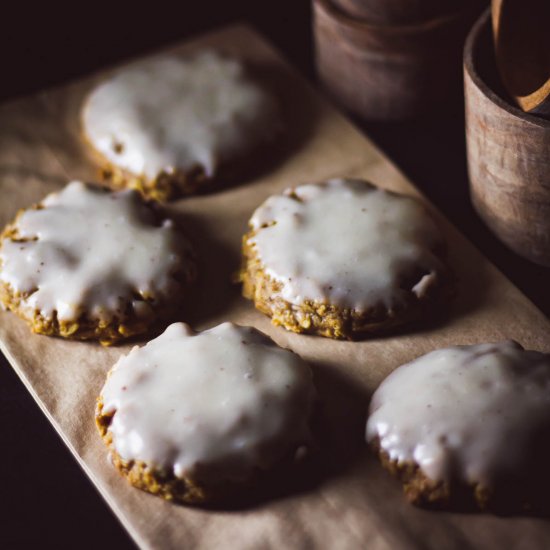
<point>345,500</point>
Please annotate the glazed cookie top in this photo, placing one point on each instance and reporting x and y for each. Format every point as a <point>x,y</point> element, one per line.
<point>347,243</point>
<point>223,401</point>
<point>466,412</point>
<point>174,113</point>
<point>85,249</point>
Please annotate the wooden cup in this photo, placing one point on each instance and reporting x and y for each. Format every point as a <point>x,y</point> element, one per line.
<point>389,72</point>
<point>508,155</point>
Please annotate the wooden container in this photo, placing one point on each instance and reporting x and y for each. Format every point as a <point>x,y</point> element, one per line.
<point>508,155</point>
<point>404,12</point>
<point>389,72</point>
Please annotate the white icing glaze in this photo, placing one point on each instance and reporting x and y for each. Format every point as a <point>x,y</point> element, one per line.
<point>170,113</point>
<point>469,412</point>
<point>93,251</point>
<point>345,242</point>
<point>220,402</point>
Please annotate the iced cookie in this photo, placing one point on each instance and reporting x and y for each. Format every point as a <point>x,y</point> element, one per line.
<point>195,417</point>
<point>467,424</point>
<point>168,125</point>
<point>342,259</point>
<point>87,263</point>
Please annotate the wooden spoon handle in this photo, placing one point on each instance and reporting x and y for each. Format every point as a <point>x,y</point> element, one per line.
<point>522,48</point>
<point>496,8</point>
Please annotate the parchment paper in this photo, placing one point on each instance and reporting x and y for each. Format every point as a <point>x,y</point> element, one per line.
<point>345,499</point>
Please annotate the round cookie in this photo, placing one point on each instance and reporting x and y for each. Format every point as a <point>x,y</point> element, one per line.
<point>342,259</point>
<point>467,425</point>
<point>88,263</point>
<point>195,417</point>
<point>169,125</point>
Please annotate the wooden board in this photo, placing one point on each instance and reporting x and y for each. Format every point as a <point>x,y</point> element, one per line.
<point>345,500</point>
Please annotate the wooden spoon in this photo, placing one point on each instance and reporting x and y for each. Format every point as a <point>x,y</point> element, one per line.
<point>522,46</point>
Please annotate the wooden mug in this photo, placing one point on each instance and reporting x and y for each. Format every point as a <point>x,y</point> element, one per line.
<point>389,72</point>
<point>508,155</point>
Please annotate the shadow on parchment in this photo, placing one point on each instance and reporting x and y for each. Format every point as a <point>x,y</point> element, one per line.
<point>472,282</point>
<point>24,173</point>
<point>338,427</point>
<point>214,290</point>
<point>468,289</point>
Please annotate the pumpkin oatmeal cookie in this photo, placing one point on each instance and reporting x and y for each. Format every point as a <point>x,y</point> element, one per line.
<point>343,259</point>
<point>170,125</point>
<point>91,264</point>
<point>196,417</point>
<point>467,426</point>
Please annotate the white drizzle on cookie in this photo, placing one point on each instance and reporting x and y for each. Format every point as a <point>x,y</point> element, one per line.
<point>170,113</point>
<point>88,251</point>
<point>467,412</point>
<point>220,403</point>
<point>347,243</point>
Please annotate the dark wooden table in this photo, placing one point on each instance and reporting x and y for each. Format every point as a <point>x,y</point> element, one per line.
<point>46,500</point>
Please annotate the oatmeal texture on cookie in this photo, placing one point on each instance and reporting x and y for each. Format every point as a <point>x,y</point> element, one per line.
<point>178,118</point>
<point>469,416</point>
<point>89,263</point>
<point>342,257</point>
<point>207,408</point>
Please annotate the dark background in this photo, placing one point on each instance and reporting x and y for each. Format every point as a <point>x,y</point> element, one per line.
<point>45,498</point>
